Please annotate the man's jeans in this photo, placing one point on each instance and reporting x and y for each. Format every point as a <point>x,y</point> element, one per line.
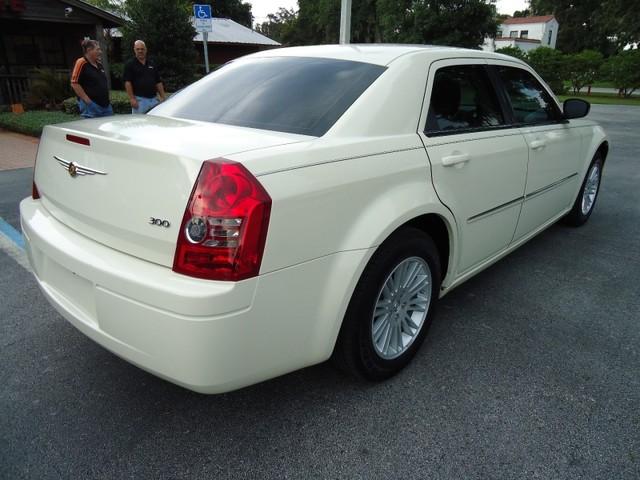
<point>145,104</point>
<point>94,110</point>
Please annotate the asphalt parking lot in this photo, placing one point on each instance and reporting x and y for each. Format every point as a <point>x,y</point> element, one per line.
<point>531,370</point>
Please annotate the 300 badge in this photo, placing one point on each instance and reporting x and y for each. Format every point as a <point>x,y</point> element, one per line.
<point>158,222</point>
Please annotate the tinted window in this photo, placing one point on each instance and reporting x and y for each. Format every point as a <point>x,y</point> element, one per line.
<point>463,98</point>
<point>531,102</point>
<point>286,94</point>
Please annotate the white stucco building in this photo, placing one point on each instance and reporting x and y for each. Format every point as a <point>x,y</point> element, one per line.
<point>526,33</point>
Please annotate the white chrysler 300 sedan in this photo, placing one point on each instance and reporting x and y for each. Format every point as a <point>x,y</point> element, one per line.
<point>302,204</point>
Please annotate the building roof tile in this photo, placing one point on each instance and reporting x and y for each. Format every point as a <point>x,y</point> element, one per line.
<point>228,31</point>
<point>521,20</point>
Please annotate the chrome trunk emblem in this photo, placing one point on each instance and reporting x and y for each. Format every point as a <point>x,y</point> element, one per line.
<point>74,169</point>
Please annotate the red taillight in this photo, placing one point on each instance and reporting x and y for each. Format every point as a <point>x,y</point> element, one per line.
<point>224,227</point>
<point>17,6</point>
<point>80,140</point>
<point>35,194</point>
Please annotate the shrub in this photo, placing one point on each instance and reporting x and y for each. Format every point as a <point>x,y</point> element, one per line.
<point>48,89</point>
<point>117,72</point>
<point>119,101</point>
<point>550,65</point>
<point>513,52</point>
<point>582,68</point>
<point>624,71</point>
<point>32,123</point>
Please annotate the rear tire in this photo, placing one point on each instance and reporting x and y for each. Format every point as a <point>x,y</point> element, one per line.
<point>588,194</point>
<point>391,308</point>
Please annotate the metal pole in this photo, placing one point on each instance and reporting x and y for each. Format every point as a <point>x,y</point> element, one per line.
<point>345,22</point>
<point>205,38</point>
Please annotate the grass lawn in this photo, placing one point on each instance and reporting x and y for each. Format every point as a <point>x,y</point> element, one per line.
<point>599,84</point>
<point>32,123</point>
<point>603,99</point>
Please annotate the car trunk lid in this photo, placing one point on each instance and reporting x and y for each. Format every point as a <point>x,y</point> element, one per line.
<point>128,188</point>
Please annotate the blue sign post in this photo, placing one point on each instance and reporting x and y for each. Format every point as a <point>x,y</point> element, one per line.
<point>202,20</point>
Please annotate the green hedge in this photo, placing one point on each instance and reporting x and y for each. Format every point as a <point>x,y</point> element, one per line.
<point>119,101</point>
<point>32,123</point>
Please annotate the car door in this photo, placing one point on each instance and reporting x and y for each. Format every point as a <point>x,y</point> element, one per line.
<point>478,161</point>
<point>554,148</point>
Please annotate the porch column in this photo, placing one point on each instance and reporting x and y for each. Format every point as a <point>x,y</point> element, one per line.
<point>105,51</point>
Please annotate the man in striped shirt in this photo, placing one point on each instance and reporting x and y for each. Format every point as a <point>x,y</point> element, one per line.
<point>89,82</point>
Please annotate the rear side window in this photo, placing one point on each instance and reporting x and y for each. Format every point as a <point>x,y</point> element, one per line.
<point>530,101</point>
<point>463,98</point>
<point>286,94</point>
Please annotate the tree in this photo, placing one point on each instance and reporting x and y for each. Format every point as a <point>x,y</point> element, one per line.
<point>513,52</point>
<point>624,71</point>
<point>550,65</point>
<point>582,68</point>
<point>621,22</point>
<point>445,22</point>
<point>605,26</point>
<point>165,26</point>
<point>522,13</point>
<point>279,26</point>
<point>114,6</point>
<point>236,10</point>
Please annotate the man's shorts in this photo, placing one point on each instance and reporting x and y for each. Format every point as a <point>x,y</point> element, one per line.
<point>145,104</point>
<point>94,110</point>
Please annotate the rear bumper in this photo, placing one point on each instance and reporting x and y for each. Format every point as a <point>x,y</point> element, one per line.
<point>207,336</point>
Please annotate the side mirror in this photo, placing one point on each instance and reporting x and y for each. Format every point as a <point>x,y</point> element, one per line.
<point>575,108</point>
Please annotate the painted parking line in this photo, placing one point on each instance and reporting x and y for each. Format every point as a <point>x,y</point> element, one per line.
<point>14,235</point>
<point>12,243</point>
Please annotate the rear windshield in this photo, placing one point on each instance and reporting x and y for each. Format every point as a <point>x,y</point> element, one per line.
<point>286,94</point>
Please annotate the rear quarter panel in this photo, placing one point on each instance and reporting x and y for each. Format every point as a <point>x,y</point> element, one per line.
<point>347,204</point>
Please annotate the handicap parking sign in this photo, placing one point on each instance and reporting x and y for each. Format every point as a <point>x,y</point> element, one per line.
<point>202,12</point>
<point>202,18</point>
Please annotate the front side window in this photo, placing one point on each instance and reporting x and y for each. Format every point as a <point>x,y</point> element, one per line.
<point>463,98</point>
<point>285,94</point>
<point>530,101</point>
<point>513,34</point>
<point>524,34</point>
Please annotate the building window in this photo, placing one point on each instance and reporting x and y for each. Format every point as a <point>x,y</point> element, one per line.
<point>549,41</point>
<point>26,52</point>
<point>513,34</point>
<point>499,34</point>
<point>524,34</point>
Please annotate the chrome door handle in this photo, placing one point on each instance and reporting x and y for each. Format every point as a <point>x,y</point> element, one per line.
<point>455,159</point>
<point>537,144</point>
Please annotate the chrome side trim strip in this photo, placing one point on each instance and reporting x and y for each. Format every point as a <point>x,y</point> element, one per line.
<point>493,210</point>
<point>549,187</point>
<point>526,197</point>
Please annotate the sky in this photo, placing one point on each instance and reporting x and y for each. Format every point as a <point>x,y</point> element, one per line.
<point>262,8</point>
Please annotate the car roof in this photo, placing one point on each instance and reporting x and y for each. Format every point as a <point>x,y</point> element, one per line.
<point>378,54</point>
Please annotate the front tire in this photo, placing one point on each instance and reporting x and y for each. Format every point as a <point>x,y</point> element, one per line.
<point>588,194</point>
<point>391,308</point>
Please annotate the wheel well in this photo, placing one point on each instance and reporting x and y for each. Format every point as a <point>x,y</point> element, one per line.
<point>604,150</point>
<point>436,228</point>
